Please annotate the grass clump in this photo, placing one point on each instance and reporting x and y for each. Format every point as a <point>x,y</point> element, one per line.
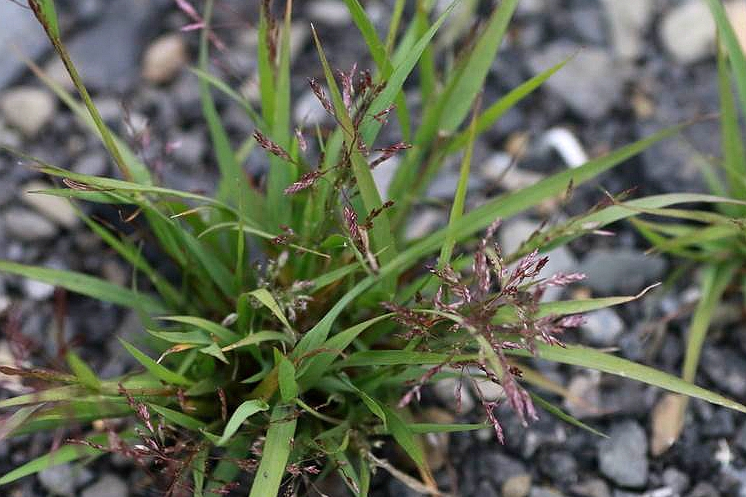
<point>304,324</point>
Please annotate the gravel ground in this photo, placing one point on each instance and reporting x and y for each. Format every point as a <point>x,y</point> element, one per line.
<point>639,66</point>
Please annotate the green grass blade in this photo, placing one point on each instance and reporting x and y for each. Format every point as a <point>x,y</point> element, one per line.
<point>277,447</point>
<point>65,454</point>
<point>57,394</point>
<point>406,439</point>
<point>459,199</point>
<point>241,414</point>
<point>281,172</point>
<point>734,156</point>
<point>221,332</point>
<point>560,414</point>
<point>229,168</point>
<point>9,424</point>
<point>199,469</point>
<point>177,417</point>
<point>469,79</point>
<point>380,56</point>
<point>735,53</point>
<point>85,374</point>
<point>371,127</point>
<point>502,105</point>
<point>258,337</point>
<point>316,365</point>
<point>85,285</point>
<point>286,380</point>
<point>265,67</point>
<point>607,363</point>
<point>47,15</point>
<point>422,428</point>
<point>157,370</point>
<point>715,279</point>
<point>267,300</point>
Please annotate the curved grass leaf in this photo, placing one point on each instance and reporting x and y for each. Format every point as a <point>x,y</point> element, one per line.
<point>221,332</point>
<point>258,337</point>
<point>241,414</point>
<point>560,414</point>
<point>607,363</point>
<point>268,301</point>
<point>84,373</point>
<point>157,370</point>
<point>177,417</point>
<point>66,453</point>
<point>84,284</point>
<point>15,420</point>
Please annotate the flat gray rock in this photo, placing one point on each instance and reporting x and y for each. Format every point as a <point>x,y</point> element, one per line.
<point>622,457</point>
<point>590,84</point>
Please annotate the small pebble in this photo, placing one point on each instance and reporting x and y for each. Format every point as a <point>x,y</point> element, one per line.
<point>28,109</point>
<point>56,209</point>
<point>517,486</point>
<point>27,226</point>
<point>107,486</point>
<point>164,59</point>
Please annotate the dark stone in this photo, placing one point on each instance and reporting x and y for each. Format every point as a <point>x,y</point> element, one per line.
<point>622,457</point>
<point>726,368</point>
<point>560,466</point>
<point>497,467</point>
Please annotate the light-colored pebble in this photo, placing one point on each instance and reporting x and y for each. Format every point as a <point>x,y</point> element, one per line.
<point>56,209</point>
<point>107,486</point>
<point>27,226</point>
<point>329,12</point>
<point>164,59</point>
<point>28,109</point>
<point>517,486</point>
<point>688,32</point>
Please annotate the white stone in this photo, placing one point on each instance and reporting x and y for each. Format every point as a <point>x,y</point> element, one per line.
<point>628,20</point>
<point>107,486</point>
<point>330,12</point>
<point>28,109</point>
<point>164,59</point>
<point>566,144</point>
<point>56,209</point>
<point>688,32</point>
<point>37,290</point>
<point>27,226</point>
